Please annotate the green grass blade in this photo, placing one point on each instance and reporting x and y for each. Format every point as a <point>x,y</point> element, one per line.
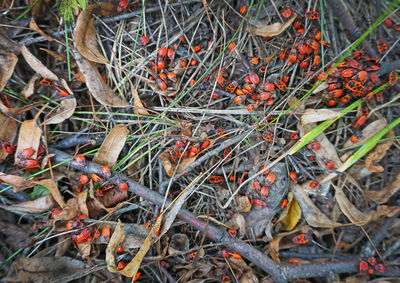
<point>26,11</point>
<point>367,146</point>
<point>307,138</point>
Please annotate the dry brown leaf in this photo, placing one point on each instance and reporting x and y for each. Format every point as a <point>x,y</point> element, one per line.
<point>170,167</point>
<point>33,25</point>
<point>29,89</point>
<point>7,65</point>
<point>368,132</point>
<point>84,33</point>
<point>47,269</point>
<point>352,213</point>
<point>317,115</point>
<point>116,239</point>
<point>274,29</point>
<point>8,45</point>
<point>379,152</point>
<point>95,83</point>
<point>81,198</point>
<point>38,205</point>
<point>69,211</point>
<point>139,108</point>
<point>52,187</point>
<point>19,183</point>
<point>112,146</point>
<point>243,204</point>
<point>383,195</point>
<point>293,100</point>
<point>18,111</point>
<point>62,112</point>
<point>312,214</point>
<point>8,131</point>
<point>37,66</point>
<point>29,137</point>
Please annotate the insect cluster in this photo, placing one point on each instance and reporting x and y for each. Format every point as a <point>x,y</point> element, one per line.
<point>370,265</point>
<point>106,173</point>
<point>24,158</point>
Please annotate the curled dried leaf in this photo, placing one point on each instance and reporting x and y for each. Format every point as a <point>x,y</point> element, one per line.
<point>37,66</point>
<point>317,115</point>
<point>274,29</point>
<point>19,183</point>
<point>379,152</point>
<point>348,209</point>
<point>63,111</point>
<point>29,89</point>
<point>84,33</point>
<point>29,137</point>
<point>33,25</point>
<point>38,205</point>
<point>383,195</point>
<point>7,65</point>
<point>95,83</point>
<point>139,108</point>
<point>8,131</point>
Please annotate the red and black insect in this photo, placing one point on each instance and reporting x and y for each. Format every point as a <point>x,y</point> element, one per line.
<point>5,101</point>
<point>264,192</point>
<point>371,260</point>
<point>232,86</point>
<point>314,146</point>
<point>106,171</point>
<point>281,85</point>
<point>293,55</point>
<point>382,46</point>
<point>96,178</point>
<point>222,133</point>
<point>283,54</point>
<point>191,257</point>
<point>358,54</point>
<point>315,185</point>
<point>254,77</point>
<point>300,239</point>
<point>216,179</point>
<point>205,145</point>
<point>122,5</point>
<point>73,224</point>
<point>355,86</point>
<point>270,179</point>
<point>393,76</point>
<point>99,193</point>
<point>83,179</point>
<point>55,212</point>
<point>293,176</point>
<point>174,154</point>
<point>143,40</point>
<point>355,138</point>
<point>223,253</point>
<point>28,163</point>
<point>8,147</point>
<point>194,150</point>
<point>256,186</point>
<point>363,267</point>
<point>334,86</point>
<point>226,278</point>
<point>348,73</point>
<point>284,203</point>
<point>312,15</point>
<point>62,92</point>
<point>80,159</point>
<point>121,265</point>
<point>105,233</point>
<point>360,121</point>
<point>259,203</point>
<point>336,93</point>
<point>294,136</point>
<point>380,268</point>
<point>305,63</point>
<point>122,185</point>
<point>328,163</point>
<point>345,99</point>
<point>228,151</point>
<point>108,186</point>
<point>235,255</point>
<point>232,232</point>
<point>268,136</point>
<point>26,153</point>
<point>45,82</point>
<point>254,60</point>
<point>287,13</point>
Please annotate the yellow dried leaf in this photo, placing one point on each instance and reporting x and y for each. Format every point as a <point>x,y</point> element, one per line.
<point>62,112</point>
<point>352,213</point>
<point>291,215</point>
<point>274,29</point>
<point>7,65</point>
<point>29,137</point>
<point>112,146</point>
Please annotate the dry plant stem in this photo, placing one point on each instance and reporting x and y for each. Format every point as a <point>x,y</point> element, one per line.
<point>281,273</point>
<point>79,139</point>
<point>348,23</point>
